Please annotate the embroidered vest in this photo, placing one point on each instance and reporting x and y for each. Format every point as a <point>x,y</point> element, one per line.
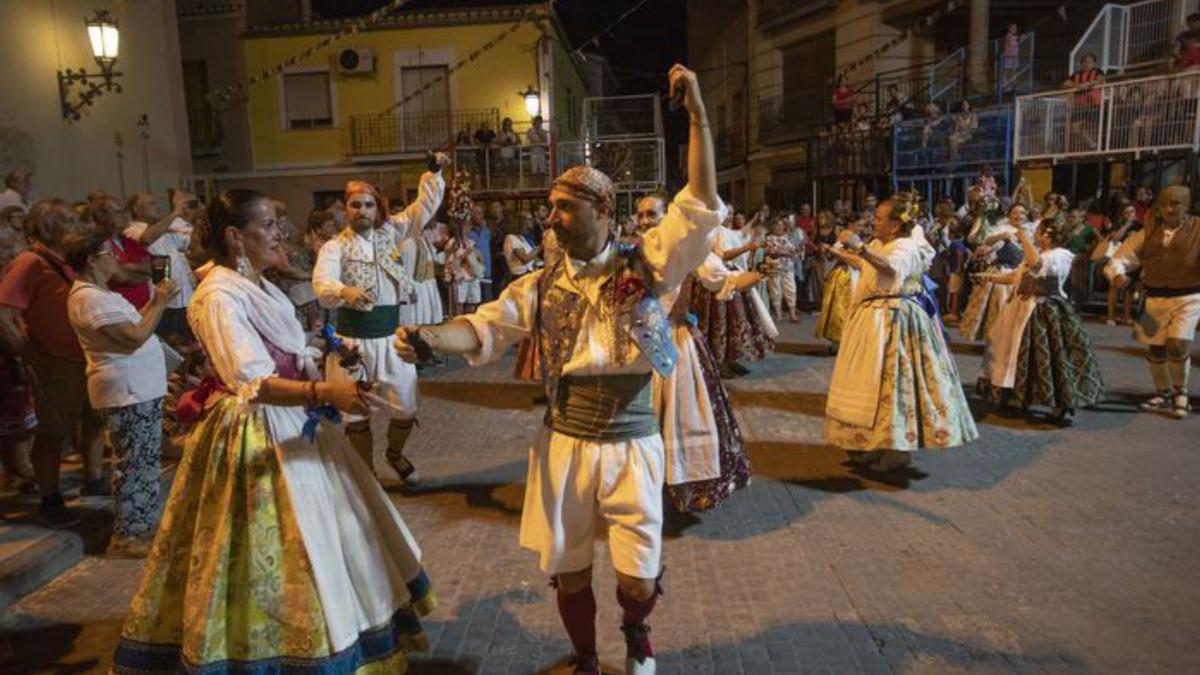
<point>1175,265</point>
<point>360,272</point>
<point>425,269</point>
<point>635,319</point>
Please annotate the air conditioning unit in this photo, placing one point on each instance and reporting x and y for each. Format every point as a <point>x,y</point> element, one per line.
<point>356,61</point>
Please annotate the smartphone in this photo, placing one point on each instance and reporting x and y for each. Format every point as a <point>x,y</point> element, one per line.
<point>160,268</point>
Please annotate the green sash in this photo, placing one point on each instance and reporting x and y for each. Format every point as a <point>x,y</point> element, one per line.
<point>381,321</point>
<point>603,408</point>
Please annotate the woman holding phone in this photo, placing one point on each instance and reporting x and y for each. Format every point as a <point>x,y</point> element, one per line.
<point>126,383</point>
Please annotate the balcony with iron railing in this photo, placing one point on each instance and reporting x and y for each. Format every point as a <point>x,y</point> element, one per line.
<point>511,168</point>
<point>851,153</point>
<point>205,131</point>
<point>392,135</point>
<point>1131,117</point>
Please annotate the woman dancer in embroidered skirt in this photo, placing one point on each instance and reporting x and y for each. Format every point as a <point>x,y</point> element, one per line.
<point>996,251</point>
<point>740,327</point>
<point>1039,349</point>
<point>702,443</point>
<point>278,551</point>
<point>895,387</point>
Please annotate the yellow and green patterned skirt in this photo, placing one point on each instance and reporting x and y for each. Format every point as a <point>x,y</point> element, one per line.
<point>835,303</point>
<point>230,587</point>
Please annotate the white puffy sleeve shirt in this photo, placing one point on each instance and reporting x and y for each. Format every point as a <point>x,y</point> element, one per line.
<point>672,250</point>
<point>234,348</point>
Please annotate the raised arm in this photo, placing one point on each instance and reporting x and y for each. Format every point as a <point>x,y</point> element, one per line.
<point>154,231</point>
<point>702,174</point>
<point>680,243</point>
<point>412,219</point>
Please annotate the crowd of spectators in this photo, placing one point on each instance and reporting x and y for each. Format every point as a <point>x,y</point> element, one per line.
<point>95,347</point>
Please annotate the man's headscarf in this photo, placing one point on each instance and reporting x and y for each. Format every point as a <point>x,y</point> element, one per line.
<point>585,182</point>
<point>381,203</point>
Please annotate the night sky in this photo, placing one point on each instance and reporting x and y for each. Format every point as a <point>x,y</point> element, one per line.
<point>641,48</point>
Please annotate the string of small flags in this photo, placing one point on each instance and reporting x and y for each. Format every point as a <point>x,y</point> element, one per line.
<point>928,22</point>
<point>231,92</point>
<point>469,58</point>
<point>925,22</point>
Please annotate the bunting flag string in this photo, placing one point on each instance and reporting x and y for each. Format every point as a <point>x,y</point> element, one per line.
<point>469,58</point>
<point>927,21</point>
<point>230,92</point>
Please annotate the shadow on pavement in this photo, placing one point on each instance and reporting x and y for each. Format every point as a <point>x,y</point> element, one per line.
<point>789,478</point>
<point>40,650</point>
<point>495,494</point>
<point>866,648</point>
<point>831,646</point>
<point>820,349</point>
<point>495,395</point>
<point>807,403</point>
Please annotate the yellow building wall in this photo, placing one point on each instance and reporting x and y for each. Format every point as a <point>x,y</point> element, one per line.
<point>492,81</point>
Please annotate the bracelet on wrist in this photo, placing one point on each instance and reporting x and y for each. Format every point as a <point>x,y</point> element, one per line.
<point>312,401</point>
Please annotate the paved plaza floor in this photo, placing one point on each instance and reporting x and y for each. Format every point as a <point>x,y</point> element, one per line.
<point>1035,549</point>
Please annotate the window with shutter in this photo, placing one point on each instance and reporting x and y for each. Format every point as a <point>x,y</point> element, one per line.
<point>306,100</point>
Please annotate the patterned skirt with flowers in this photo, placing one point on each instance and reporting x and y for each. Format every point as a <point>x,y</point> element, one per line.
<point>920,400</point>
<point>234,585</point>
<point>1055,364</point>
<point>732,327</point>
<point>702,495</point>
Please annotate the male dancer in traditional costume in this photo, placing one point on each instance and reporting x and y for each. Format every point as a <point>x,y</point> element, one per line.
<point>1168,251</point>
<point>360,273</point>
<point>598,316</point>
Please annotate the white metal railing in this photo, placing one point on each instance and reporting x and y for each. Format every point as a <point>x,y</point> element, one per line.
<point>513,167</point>
<point>946,77</point>
<point>1144,115</point>
<point>622,116</point>
<point>632,162</point>
<point>1127,36</point>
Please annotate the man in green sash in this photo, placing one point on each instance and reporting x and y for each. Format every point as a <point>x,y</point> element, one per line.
<point>597,316</point>
<point>360,274</point>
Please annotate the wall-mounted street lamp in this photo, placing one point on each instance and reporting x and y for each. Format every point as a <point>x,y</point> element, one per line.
<point>533,101</point>
<point>105,38</point>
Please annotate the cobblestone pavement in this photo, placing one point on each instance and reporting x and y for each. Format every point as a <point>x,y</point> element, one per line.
<point>1033,550</point>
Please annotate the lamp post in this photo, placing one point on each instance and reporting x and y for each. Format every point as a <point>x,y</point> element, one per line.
<point>104,36</point>
<point>533,101</point>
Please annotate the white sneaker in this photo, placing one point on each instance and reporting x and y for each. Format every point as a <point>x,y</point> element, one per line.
<point>643,667</point>
<point>1182,407</point>
<point>1160,403</point>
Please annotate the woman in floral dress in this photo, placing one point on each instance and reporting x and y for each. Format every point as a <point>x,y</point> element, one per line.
<point>895,387</point>
<point>278,551</point>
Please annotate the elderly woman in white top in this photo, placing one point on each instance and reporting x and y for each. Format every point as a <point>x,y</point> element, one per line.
<point>126,383</point>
